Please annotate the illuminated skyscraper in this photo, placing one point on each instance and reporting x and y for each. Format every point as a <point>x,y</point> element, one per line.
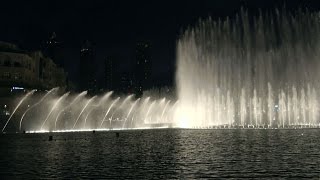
<point>142,67</point>
<point>111,73</point>
<point>53,49</point>
<point>126,83</point>
<point>87,78</point>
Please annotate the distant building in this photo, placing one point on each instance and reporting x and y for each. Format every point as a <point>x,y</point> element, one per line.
<point>54,50</point>
<point>50,75</point>
<point>20,68</point>
<point>126,83</point>
<point>87,78</point>
<point>111,73</point>
<point>21,71</point>
<point>142,67</point>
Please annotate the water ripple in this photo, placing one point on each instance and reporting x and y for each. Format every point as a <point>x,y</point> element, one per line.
<point>162,154</point>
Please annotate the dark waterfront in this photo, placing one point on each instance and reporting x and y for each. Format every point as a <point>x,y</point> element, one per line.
<point>163,154</point>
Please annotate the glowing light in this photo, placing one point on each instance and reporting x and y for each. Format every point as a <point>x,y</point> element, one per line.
<point>18,88</point>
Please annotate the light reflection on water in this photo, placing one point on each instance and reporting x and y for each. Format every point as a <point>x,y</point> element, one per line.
<point>162,154</point>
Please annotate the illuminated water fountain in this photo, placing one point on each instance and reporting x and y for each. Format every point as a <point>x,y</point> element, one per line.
<point>259,72</point>
<point>78,112</point>
<point>250,72</point>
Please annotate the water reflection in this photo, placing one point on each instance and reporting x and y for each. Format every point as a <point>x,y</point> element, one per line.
<point>162,154</point>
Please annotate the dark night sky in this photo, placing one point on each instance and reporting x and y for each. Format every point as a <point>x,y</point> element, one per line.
<point>115,26</point>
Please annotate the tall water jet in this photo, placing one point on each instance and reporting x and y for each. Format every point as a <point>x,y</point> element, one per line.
<point>15,109</point>
<point>34,105</point>
<point>283,109</point>
<point>259,69</point>
<point>53,108</point>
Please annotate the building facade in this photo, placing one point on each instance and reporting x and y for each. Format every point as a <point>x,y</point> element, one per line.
<point>28,69</point>
<point>21,71</point>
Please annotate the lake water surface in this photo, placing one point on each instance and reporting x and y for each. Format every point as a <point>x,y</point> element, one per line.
<point>163,154</point>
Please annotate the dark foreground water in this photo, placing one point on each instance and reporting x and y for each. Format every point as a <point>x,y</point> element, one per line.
<point>163,154</point>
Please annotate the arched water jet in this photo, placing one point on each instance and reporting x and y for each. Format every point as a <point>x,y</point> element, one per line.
<point>121,105</point>
<point>53,107</point>
<point>72,103</point>
<point>164,110</point>
<point>133,105</point>
<point>104,98</point>
<point>160,105</point>
<point>143,107</point>
<point>88,114</point>
<point>89,101</point>
<point>15,109</point>
<point>115,101</point>
<point>152,104</point>
<point>36,104</point>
